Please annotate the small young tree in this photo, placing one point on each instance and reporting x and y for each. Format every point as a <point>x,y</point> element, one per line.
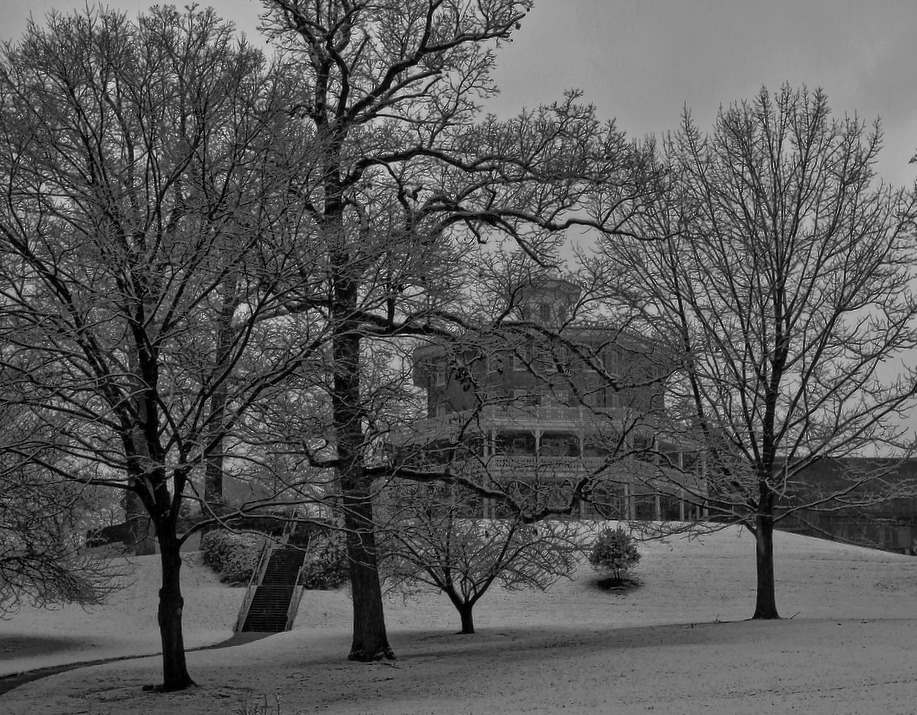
<point>434,544</point>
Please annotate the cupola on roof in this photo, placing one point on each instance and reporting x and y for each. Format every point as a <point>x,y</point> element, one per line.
<point>548,301</point>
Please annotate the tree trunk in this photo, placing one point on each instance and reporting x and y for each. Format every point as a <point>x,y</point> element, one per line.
<point>465,612</point>
<point>213,455</point>
<point>214,503</point>
<point>766,599</point>
<point>143,539</point>
<point>213,462</point>
<point>370,641</point>
<point>174,666</point>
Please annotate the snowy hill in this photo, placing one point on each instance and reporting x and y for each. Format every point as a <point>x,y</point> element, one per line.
<point>664,646</point>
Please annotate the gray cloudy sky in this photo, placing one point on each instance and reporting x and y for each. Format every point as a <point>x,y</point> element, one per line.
<point>642,61</point>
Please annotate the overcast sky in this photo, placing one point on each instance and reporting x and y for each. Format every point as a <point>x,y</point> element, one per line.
<point>642,61</point>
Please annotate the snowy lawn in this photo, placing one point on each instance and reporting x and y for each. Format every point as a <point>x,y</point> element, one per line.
<point>676,645</point>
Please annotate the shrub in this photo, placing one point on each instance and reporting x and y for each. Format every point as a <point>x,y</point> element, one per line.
<point>325,566</point>
<point>614,552</point>
<point>233,556</point>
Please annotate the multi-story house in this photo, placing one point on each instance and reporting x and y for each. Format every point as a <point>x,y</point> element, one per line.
<point>555,413</point>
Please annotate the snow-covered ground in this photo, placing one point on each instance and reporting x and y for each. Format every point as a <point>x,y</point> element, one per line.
<point>679,644</point>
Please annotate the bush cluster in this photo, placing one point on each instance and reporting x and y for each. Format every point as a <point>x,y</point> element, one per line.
<point>233,556</point>
<point>325,566</point>
<point>614,552</point>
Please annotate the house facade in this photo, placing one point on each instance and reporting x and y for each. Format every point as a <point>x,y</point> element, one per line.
<point>554,412</point>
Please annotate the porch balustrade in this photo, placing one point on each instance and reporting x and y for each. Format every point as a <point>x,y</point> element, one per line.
<point>508,416</point>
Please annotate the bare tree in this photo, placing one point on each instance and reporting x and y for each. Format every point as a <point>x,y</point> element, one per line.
<point>408,179</point>
<point>435,541</point>
<point>779,270</point>
<point>147,254</point>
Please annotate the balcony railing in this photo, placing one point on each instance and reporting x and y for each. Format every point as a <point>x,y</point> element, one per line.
<point>509,416</point>
<point>530,462</point>
<point>534,468</point>
<point>522,464</point>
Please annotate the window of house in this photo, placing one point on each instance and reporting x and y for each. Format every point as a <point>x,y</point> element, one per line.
<point>556,397</point>
<point>608,500</point>
<point>644,448</point>
<point>562,357</point>
<point>440,411</point>
<point>522,356</point>
<point>493,362</point>
<point>556,359</point>
<point>515,443</point>
<point>645,506</point>
<point>464,376</point>
<point>611,362</point>
<point>440,374</point>
<point>544,313</point>
<point>526,398</point>
<point>596,447</point>
<point>692,462</point>
<point>590,359</point>
<point>544,359</point>
<point>559,444</point>
<point>470,447</point>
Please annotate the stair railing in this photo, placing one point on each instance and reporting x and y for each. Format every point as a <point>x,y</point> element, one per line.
<point>295,598</point>
<point>253,583</point>
<point>290,526</point>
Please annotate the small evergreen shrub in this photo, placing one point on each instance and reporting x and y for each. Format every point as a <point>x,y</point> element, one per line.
<point>325,566</point>
<point>233,556</point>
<point>614,552</point>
